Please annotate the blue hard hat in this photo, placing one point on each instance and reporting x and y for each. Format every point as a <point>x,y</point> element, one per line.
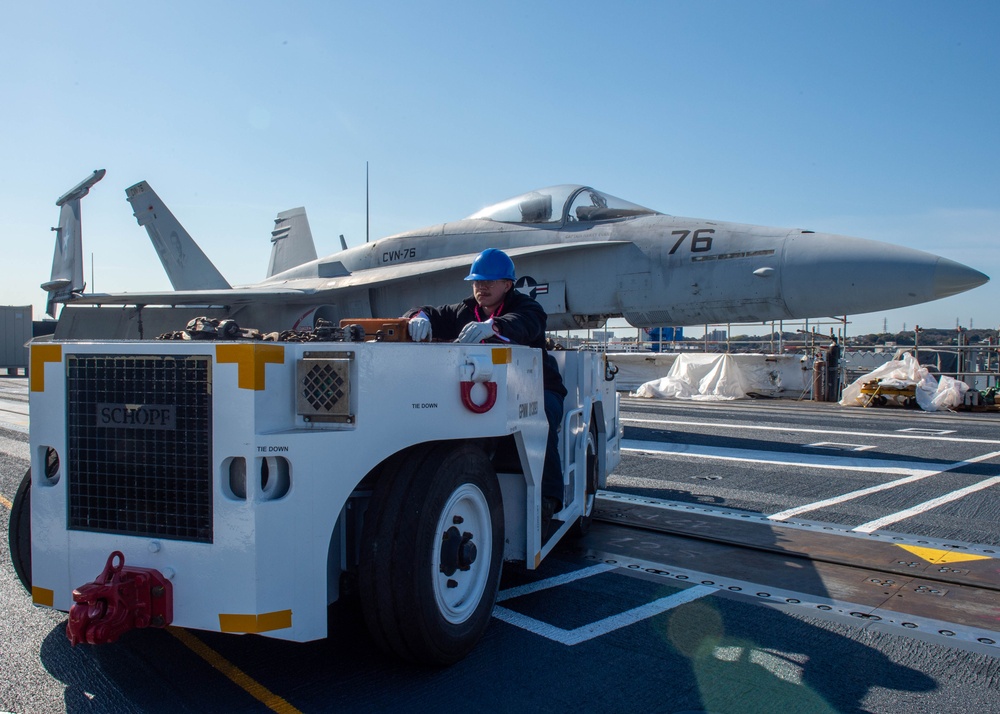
<point>492,264</point>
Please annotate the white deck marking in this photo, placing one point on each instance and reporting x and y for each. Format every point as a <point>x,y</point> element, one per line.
<point>554,581</point>
<point>924,436</point>
<point>875,489</point>
<point>814,461</point>
<point>925,506</point>
<point>927,432</point>
<point>788,666</point>
<point>13,427</point>
<point>608,624</point>
<point>837,446</point>
<point>14,415</point>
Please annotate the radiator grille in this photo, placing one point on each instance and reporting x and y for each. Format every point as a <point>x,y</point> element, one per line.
<point>140,438</point>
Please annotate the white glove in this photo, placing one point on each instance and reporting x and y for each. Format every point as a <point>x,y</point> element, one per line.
<point>476,332</point>
<point>420,328</point>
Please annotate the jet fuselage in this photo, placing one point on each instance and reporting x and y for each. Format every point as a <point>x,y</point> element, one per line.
<point>585,256</point>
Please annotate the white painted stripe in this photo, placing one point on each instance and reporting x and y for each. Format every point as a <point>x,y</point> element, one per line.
<point>756,427</point>
<point>537,627</point>
<point>554,581</point>
<point>813,461</point>
<point>925,506</point>
<point>837,446</point>
<point>875,489</point>
<point>13,427</point>
<point>608,624</point>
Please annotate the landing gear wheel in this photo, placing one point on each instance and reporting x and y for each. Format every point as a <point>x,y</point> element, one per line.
<point>19,532</point>
<point>431,554</point>
<point>582,525</point>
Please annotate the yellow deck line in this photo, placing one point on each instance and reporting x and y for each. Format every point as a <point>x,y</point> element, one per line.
<point>240,678</point>
<point>937,556</point>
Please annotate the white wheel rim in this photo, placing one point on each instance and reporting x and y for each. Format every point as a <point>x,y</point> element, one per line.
<point>458,595</point>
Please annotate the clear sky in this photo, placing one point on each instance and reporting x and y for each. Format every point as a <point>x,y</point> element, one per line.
<point>874,119</point>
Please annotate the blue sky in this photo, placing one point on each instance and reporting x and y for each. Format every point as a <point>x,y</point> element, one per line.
<point>874,119</point>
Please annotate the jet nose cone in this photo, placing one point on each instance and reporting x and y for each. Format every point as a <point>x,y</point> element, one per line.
<point>826,274</point>
<point>951,278</point>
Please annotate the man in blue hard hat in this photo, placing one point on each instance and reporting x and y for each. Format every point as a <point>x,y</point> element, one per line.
<point>497,313</point>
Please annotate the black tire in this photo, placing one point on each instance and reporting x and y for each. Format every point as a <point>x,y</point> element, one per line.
<point>19,532</point>
<point>431,553</point>
<point>582,525</point>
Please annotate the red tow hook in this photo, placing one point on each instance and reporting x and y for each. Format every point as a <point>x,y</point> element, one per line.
<point>119,600</point>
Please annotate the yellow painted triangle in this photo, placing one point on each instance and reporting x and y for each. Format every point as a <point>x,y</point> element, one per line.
<point>933,555</point>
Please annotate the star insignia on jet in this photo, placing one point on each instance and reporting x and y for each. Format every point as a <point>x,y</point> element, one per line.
<point>526,285</point>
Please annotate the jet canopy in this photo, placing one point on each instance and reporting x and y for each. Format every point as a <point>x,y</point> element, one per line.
<point>556,205</point>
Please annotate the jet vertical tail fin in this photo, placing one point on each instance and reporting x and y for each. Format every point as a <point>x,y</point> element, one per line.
<point>66,279</point>
<point>188,268</point>
<point>293,241</point>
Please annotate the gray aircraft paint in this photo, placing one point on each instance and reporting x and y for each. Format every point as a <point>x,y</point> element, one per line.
<point>188,268</point>
<point>584,255</point>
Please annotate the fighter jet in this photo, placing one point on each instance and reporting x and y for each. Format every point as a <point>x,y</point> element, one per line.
<point>585,255</point>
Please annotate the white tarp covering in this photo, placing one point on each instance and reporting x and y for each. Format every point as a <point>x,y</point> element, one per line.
<point>773,375</point>
<point>708,377</point>
<point>932,394</point>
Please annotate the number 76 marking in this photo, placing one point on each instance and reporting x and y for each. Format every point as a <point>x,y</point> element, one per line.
<point>700,243</point>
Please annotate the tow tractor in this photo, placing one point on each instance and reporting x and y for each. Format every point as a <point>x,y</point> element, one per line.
<point>242,486</point>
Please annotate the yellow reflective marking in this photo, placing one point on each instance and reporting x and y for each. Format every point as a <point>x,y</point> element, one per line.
<point>501,355</point>
<point>40,354</point>
<point>264,622</point>
<point>274,621</point>
<point>236,675</point>
<point>5,502</point>
<point>933,555</point>
<point>238,623</point>
<point>250,358</point>
<point>43,596</point>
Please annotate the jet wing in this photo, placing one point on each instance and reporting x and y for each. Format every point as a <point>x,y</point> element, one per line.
<point>307,290</point>
<point>405,271</point>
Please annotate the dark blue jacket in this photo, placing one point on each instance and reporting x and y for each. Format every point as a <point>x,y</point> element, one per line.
<point>520,319</point>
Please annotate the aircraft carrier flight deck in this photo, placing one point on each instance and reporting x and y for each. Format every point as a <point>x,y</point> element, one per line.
<point>749,556</point>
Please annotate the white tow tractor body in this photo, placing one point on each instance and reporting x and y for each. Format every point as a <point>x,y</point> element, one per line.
<point>256,480</point>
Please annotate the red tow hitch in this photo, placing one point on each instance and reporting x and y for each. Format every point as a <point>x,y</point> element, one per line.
<point>121,599</point>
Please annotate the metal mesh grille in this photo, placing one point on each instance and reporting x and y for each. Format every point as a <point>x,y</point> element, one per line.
<point>323,388</point>
<point>140,436</point>
<point>324,392</point>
